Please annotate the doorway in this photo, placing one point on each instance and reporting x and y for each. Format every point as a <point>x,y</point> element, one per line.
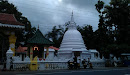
<point>77,53</point>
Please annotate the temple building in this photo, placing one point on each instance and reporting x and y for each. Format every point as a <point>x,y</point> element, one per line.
<point>36,46</point>
<point>9,29</point>
<point>73,45</point>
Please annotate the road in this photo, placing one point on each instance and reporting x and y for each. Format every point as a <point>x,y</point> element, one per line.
<point>122,71</point>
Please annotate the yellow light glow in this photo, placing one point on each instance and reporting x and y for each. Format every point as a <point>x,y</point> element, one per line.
<point>60,0</point>
<point>35,48</point>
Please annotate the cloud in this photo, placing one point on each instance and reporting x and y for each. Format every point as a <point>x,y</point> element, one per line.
<point>48,13</point>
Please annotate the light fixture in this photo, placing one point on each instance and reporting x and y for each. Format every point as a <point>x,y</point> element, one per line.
<point>35,48</point>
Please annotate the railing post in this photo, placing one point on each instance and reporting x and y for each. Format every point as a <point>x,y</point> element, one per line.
<point>9,54</point>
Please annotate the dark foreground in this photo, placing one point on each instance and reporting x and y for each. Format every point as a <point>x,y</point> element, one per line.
<point>96,71</point>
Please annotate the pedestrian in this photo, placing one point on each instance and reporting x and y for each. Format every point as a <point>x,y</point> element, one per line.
<point>75,62</point>
<point>78,63</point>
<point>115,64</point>
<point>69,64</point>
<point>90,65</point>
<point>84,63</point>
<point>88,62</point>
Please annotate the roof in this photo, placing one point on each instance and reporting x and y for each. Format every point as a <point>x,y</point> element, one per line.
<point>93,50</point>
<point>125,54</point>
<point>9,19</point>
<point>52,47</point>
<point>21,49</point>
<point>50,50</point>
<point>38,38</point>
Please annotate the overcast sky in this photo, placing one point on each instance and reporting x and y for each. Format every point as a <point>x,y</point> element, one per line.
<point>48,13</point>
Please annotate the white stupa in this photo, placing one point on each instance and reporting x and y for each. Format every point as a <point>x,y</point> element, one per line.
<point>73,44</point>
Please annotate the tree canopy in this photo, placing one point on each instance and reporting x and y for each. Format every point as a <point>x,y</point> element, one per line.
<point>114,25</point>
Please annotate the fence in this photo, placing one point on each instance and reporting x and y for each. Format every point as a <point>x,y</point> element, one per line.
<point>46,65</point>
<point>18,64</point>
<point>98,64</point>
<point>49,65</point>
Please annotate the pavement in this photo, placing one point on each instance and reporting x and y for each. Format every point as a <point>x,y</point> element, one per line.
<point>94,71</point>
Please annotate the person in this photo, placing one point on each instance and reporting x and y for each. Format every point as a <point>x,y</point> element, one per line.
<point>88,62</point>
<point>75,62</point>
<point>78,63</point>
<point>90,65</point>
<point>69,65</point>
<point>84,63</point>
<point>115,64</point>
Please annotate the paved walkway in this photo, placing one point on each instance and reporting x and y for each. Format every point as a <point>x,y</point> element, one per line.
<point>105,70</point>
<point>64,70</point>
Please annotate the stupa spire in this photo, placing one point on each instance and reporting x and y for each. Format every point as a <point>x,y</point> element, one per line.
<point>72,18</point>
<point>72,24</point>
<point>38,26</point>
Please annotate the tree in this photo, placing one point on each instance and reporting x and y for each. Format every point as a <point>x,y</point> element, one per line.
<point>88,36</point>
<point>118,17</point>
<point>56,35</point>
<point>113,28</point>
<point>6,7</point>
<point>101,38</point>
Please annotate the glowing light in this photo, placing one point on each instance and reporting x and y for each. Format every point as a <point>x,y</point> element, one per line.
<point>60,0</point>
<point>35,48</point>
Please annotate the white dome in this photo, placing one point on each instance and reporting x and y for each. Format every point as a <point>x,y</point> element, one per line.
<point>72,40</point>
<point>72,35</point>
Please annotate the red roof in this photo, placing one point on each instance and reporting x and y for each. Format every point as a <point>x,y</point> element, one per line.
<point>54,48</point>
<point>9,19</point>
<point>21,49</point>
